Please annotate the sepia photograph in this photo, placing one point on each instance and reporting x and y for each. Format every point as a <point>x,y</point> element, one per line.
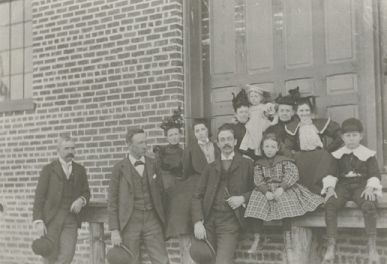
<point>193,131</point>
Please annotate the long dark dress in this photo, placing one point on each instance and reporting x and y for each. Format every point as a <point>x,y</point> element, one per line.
<point>179,217</point>
<point>170,159</point>
<point>314,164</point>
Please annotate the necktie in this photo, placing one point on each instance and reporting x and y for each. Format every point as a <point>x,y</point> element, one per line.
<point>138,163</point>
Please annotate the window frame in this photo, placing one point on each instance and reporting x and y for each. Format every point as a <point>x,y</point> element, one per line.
<point>26,103</point>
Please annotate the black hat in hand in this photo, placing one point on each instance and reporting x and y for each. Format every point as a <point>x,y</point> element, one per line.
<point>42,246</point>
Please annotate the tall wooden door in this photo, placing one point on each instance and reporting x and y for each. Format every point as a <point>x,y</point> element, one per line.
<point>326,47</point>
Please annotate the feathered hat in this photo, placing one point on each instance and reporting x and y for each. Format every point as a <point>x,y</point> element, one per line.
<point>241,99</point>
<point>174,121</point>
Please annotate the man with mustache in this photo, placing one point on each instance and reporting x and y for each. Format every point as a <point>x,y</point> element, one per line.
<point>218,202</point>
<point>60,195</point>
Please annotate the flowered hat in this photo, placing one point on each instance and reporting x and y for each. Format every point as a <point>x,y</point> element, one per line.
<point>174,121</point>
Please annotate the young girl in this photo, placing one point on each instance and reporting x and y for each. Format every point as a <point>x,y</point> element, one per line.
<point>277,194</point>
<point>259,119</point>
<point>314,139</point>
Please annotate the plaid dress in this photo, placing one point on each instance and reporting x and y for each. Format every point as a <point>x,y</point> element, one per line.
<point>296,200</point>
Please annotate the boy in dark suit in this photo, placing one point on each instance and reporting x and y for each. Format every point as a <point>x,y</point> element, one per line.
<point>355,177</point>
<point>61,193</point>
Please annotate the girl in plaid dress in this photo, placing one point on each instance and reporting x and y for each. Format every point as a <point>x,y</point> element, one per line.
<point>277,194</point>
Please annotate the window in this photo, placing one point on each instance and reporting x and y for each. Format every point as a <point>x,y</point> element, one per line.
<point>15,50</point>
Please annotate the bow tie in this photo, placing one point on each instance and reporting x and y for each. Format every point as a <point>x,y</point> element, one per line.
<point>138,163</point>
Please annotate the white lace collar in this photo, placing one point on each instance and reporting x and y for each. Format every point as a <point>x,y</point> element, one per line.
<point>361,152</point>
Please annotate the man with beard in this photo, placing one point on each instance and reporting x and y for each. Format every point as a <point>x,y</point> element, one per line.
<point>60,195</point>
<point>218,202</point>
<point>285,112</point>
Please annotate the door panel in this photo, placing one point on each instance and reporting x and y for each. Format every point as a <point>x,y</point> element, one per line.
<point>259,36</point>
<point>339,30</point>
<point>223,39</point>
<point>323,46</point>
<point>298,33</point>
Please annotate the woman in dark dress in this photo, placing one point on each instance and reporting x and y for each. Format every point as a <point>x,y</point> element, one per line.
<point>314,139</point>
<point>170,160</point>
<point>196,156</point>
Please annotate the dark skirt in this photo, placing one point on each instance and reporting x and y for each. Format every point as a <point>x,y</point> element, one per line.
<point>313,166</point>
<point>179,198</point>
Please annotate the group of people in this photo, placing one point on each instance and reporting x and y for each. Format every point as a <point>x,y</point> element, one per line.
<point>274,161</point>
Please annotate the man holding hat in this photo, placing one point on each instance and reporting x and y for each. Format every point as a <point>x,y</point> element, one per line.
<point>356,177</point>
<point>135,202</point>
<point>60,195</point>
<point>218,203</point>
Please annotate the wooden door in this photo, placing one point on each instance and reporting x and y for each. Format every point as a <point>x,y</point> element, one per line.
<point>326,47</point>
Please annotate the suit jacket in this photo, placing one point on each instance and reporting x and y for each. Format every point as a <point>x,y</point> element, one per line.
<point>240,182</point>
<point>194,160</point>
<point>121,195</point>
<point>49,192</point>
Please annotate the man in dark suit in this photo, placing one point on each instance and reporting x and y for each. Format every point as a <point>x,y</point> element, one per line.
<point>135,202</point>
<point>218,202</point>
<point>61,193</point>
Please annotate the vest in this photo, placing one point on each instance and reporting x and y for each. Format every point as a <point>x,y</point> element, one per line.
<point>142,197</point>
<point>222,193</point>
<point>68,196</point>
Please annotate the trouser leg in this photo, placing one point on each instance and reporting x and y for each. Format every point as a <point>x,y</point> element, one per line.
<point>331,208</point>
<point>185,243</point>
<point>131,234</point>
<point>67,240</point>
<point>369,210</point>
<point>154,239</point>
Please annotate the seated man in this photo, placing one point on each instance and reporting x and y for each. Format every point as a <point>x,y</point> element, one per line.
<point>218,202</point>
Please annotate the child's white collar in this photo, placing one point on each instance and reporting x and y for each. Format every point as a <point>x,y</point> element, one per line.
<point>361,152</point>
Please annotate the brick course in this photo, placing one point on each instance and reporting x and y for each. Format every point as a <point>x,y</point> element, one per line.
<point>99,67</point>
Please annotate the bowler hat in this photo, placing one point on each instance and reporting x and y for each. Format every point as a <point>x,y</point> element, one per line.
<point>120,255</point>
<point>351,125</point>
<point>42,246</point>
<point>202,251</point>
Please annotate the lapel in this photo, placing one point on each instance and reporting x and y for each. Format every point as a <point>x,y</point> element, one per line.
<point>57,167</point>
<point>149,171</point>
<point>127,170</point>
<point>198,156</point>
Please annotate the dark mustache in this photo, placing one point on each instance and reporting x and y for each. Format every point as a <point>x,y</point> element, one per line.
<point>227,146</point>
<point>70,155</point>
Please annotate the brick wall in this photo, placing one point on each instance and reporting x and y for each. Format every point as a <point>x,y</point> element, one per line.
<point>99,67</point>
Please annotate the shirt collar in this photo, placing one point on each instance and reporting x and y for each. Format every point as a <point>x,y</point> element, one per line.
<point>361,152</point>
<point>230,157</point>
<point>202,143</point>
<point>133,159</point>
<point>64,163</point>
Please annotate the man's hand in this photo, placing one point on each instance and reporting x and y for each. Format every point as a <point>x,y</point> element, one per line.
<point>116,238</point>
<point>278,192</point>
<point>235,201</point>
<point>368,194</point>
<point>199,230</point>
<point>77,206</point>
<point>330,192</point>
<point>40,228</point>
<point>269,196</point>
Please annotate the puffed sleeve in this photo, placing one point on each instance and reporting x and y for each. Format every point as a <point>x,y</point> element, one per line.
<point>259,179</point>
<point>291,175</point>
